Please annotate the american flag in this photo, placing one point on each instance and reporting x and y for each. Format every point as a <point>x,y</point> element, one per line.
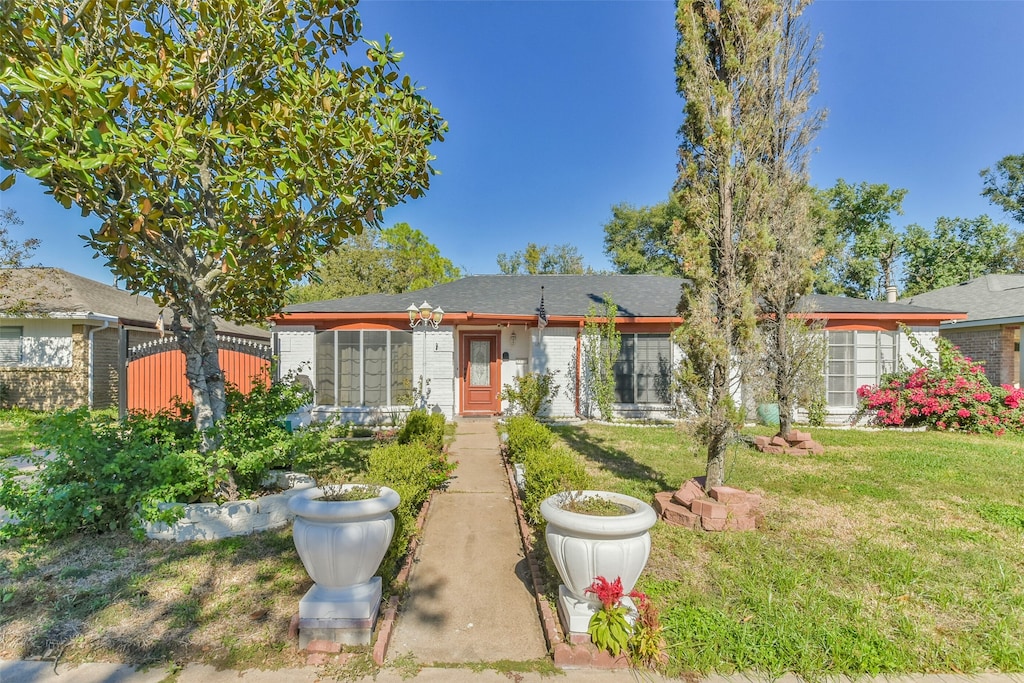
<point>542,315</point>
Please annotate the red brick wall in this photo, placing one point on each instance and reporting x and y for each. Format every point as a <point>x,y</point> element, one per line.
<point>993,345</point>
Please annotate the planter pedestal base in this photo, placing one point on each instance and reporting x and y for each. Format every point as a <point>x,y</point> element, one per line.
<point>575,613</point>
<point>339,615</point>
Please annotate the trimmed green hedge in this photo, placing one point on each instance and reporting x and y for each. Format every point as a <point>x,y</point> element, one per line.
<point>526,434</point>
<point>423,427</point>
<point>550,471</point>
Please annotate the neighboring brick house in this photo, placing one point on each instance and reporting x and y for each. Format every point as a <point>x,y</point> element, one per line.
<point>365,362</point>
<point>62,345</point>
<point>991,332</point>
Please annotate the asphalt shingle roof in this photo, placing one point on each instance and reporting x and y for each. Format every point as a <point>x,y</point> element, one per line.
<point>569,295</point>
<point>983,298</point>
<point>49,291</point>
<point>845,304</point>
<point>640,296</point>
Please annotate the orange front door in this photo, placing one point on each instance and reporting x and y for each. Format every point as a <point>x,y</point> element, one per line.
<point>481,377</point>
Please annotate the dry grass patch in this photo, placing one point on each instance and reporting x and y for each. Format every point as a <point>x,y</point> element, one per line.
<point>113,598</point>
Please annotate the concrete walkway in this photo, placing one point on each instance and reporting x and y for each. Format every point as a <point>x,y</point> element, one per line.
<point>468,599</point>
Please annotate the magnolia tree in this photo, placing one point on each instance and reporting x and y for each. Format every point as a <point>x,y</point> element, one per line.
<point>226,145</point>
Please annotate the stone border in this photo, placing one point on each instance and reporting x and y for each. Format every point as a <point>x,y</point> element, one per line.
<point>211,521</point>
<point>578,653</point>
<point>390,615</point>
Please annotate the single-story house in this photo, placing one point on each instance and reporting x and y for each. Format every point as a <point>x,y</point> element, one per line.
<point>991,330</point>
<point>64,339</point>
<point>455,346</point>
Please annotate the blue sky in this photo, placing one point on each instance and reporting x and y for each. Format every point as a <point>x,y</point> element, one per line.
<point>560,109</point>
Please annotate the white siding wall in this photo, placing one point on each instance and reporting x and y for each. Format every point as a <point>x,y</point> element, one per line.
<point>436,348</point>
<point>44,344</point>
<point>927,336</point>
<point>554,349</point>
<point>296,350</point>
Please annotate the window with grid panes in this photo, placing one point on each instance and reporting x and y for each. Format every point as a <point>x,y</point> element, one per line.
<point>643,369</point>
<point>363,367</point>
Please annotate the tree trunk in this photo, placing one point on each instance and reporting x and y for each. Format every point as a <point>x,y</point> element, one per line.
<point>202,369</point>
<point>720,430</point>
<point>783,378</point>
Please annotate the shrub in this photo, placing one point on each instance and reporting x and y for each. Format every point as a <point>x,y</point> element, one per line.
<point>413,470</point>
<point>817,411</point>
<point>423,427</point>
<point>253,436</point>
<point>104,469</point>
<point>530,394</point>
<point>950,394</point>
<point>526,434</point>
<point>550,471</point>
<point>101,469</point>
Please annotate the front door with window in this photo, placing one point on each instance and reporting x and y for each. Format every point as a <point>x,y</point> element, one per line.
<point>481,377</point>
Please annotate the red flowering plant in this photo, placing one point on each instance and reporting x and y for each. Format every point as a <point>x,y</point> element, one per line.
<point>611,630</point>
<point>950,392</point>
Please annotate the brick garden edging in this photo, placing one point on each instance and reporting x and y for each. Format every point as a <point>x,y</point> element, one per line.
<point>793,442</point>
<point>574,654</point>
<point>387,621</point>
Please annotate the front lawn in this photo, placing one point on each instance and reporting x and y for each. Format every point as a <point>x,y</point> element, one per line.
<point>14,432</point>
<point>893,552</point>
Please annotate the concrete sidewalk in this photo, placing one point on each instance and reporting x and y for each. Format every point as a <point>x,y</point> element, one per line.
<point>43,672</point>
<point>468,598</point>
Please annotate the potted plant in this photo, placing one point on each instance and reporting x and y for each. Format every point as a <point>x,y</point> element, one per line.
<point>341,533</point>
<point>591,534</point>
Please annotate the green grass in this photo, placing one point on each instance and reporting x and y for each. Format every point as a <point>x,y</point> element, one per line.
<point>14,432</point>
<point>893,552</point>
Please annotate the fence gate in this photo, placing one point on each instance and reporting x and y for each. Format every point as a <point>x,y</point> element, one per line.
<point>155,371</point>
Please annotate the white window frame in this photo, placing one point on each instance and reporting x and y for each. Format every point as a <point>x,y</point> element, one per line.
<point>868,362</point>
<point>389,397</point>
<point>635,336</point>
<point>12,336</point>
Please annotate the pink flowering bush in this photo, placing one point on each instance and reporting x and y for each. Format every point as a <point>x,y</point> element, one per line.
<point>953,394</point>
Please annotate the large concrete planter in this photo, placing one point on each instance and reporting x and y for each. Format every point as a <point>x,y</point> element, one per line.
<point>341,545</point>
<point>584,547</point>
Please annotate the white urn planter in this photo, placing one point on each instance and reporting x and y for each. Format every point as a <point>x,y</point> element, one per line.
<point>341,545</point>
<point>584,547</point>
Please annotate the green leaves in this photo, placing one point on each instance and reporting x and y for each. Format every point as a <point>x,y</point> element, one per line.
<point>270,138</point>
<point>609,630</point>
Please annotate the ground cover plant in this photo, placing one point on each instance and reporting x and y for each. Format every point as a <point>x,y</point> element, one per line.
<point>110,596</point>
<point>892,553</point>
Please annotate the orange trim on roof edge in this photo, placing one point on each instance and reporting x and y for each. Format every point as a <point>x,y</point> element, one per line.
<point>471,316</point>
<point>399,320</point>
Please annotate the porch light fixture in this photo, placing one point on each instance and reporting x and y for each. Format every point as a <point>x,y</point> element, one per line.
<point>513,339</point>
<point>424,314</point>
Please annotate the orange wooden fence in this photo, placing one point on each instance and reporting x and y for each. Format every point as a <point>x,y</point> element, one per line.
<point>156,371</point>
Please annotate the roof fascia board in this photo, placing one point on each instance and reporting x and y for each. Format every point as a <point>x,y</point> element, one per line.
<point>65,315</point>
<point>943,317</point>
<point>984,322</point>
<point>467,317</point>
